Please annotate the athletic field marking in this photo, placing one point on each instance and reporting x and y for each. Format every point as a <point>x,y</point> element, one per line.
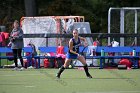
<point>29,86</point>
<point>20,75</point>
<point>130,81</point>
<point>111,92</point>
<point>23,74</point>
<point>62,82</point>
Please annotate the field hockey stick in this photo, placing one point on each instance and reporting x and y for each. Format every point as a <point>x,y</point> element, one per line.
<point>81,54</point>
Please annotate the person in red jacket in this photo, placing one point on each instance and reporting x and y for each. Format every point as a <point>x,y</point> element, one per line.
<point>2,39</point>
<point>60,51</point>
<point>126,62</point>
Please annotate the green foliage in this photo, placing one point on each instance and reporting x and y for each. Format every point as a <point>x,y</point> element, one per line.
<point>95,11</point>
<point>10,10</point>
<point>130,25</point>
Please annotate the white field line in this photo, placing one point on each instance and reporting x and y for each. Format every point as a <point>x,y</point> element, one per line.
<point>8,75</point>
<point>29,86</point>
<point>20,75</point>
<point>111,92</point>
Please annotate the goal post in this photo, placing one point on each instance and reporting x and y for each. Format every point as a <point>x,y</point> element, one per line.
<point>124,20</point>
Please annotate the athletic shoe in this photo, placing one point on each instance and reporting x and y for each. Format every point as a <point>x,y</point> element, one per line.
<point>89,76</point>
<point>22,68</point>
<point>30,67</point>
<point>57,76</point>
<point>128,68</point>
<point>16,68</point>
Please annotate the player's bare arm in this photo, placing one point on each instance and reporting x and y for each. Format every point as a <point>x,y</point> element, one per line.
<point>84,39</point>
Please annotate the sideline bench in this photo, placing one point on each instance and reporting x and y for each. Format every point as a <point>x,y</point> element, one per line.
<point>5,50</point>
<point>120,51</point>
<point>9,50</point>
<point>45,50</point>
<point>106,50</point>
<point>98,49</point>
<point>49,50</point>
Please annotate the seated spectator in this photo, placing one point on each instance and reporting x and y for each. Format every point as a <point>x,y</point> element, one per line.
<point>60,51</point>
<point>60,55</point>
<point>31,62</point>
<point>113,62</point>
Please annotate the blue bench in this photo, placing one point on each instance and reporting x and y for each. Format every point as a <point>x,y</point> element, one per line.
<point>117,50</point>
<point>106,50</point>
<point>9,50</point>
<point>5,50</point>
<point>45,50</point>
<point>51,49</point>
<point>54,49</point>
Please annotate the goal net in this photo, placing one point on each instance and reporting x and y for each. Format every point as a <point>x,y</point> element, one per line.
<point>125,20</point>
<point>38,25</point>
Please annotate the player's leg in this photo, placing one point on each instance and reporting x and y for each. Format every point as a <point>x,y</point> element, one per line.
<point>83,61</point>
<point>19,51</point>
<point>15,58</point>
<point>62,68</point>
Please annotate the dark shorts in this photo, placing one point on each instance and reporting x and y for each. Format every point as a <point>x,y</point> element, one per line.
<point>71,56</point>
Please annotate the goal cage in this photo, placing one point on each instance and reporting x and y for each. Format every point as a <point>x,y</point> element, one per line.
<point>48,25</point>
<point>124,20</point>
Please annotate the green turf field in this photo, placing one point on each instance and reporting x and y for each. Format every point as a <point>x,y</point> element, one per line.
<point>72,81</point>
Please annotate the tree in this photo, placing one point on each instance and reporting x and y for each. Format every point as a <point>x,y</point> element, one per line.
<point>30,7</point>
